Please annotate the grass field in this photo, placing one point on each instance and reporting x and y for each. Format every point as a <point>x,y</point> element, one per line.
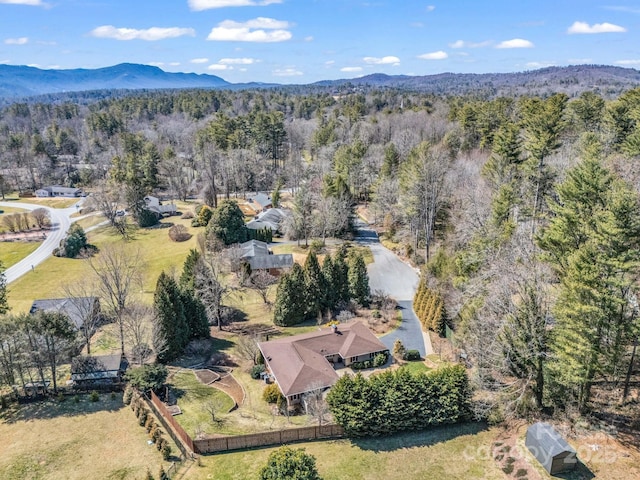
<point>157,250</point>
<point>50,202</point>
<point>53,440</point>
<point>12,252</point>
<point>193,397</point>
<point>452,453</point>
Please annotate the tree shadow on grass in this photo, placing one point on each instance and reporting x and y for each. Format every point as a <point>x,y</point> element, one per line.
<point>422,438</point>
<point>47,408</point>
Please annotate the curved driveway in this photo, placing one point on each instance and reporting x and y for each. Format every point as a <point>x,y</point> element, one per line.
<point>60,223</point>
<point>394,277</point>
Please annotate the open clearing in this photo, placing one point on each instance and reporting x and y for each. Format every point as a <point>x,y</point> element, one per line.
<point>436,453</point>
<point>12,252</point>
<point>68,440</point>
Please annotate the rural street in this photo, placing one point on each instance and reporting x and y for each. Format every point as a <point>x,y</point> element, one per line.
<point>397,279</point>
<point>60,223</point>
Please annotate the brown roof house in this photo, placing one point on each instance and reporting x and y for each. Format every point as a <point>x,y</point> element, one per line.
<point>306,362</point>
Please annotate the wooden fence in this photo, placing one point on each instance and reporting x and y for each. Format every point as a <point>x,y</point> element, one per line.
<point>278,437</point>
<point>179,435</point>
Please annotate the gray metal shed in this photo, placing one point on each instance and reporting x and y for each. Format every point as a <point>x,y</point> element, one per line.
<point>550,449</point>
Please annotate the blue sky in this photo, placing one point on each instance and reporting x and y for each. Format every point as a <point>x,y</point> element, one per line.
<point>302,41</point>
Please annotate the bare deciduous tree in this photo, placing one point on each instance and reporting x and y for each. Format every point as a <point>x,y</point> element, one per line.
<point>107,202</point>
<point>41,217</point>
<point>137,326</point>
<point>260,281</point>
<point>211,287</point>
<point>85,304</point>
<point>119,275</point>
<point>247,347</point>
<point>314,402</point>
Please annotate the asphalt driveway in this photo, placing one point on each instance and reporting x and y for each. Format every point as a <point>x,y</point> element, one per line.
<point>391,275</point>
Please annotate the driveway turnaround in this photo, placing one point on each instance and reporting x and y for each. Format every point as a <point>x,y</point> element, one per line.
<point>60,223</point>
<point>397,279</point>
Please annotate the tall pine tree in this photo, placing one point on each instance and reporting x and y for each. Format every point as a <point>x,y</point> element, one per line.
<point>172,331</point>
<point>315,286</point>
<point>358,280</point>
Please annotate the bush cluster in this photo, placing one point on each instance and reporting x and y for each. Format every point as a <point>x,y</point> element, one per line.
<point>398,401</point>
<point>430,310</point>
<point>271,393</point>
<point>146,420</point>
<point>179,233</point>
<point>411,355</point>
<point>256,370</point>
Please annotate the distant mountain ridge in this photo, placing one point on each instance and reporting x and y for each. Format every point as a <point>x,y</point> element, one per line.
<point>23,81</point>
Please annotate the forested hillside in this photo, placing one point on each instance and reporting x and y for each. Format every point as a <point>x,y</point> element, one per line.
<point>522,211</point>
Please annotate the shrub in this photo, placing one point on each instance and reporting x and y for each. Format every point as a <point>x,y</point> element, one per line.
<point>76,399</point>
<point>128,395</point>
<point>187,215</point>
<point>149,423</point>
<point>166,451</point>
<point>155,434</point>
<point>380,359</point>
<point>289,463</point>
<point>256,370</point>
<point>93,396</point>
<point>179,233</point>
<point>160,443</point>
<point>271,393</point>
<point>60,398</point>
<point>522,472</point>
<point>398,349</point>
<point>142,419</point>
<point>411,355</point>
<point>508,468</point>
<point>376,314</point>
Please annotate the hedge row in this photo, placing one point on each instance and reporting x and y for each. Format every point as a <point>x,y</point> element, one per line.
<point>430,310</point>
<point>146,420</point>
<point>398,401</point>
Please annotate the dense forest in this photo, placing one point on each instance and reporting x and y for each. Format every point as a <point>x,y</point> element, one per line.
<point>523,212</point>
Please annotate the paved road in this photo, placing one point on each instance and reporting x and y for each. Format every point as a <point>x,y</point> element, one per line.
<point>391,275</point>
<point>60,223</point>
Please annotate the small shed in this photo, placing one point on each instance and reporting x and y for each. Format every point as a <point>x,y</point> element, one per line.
<point>550,449</point>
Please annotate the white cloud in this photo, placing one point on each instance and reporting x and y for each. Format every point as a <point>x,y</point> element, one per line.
<point>260,30</point>
<point>627,62</point>
<point>439,55</point>
<point>463,44</point>
<point>309,38</point>
<point>388,60</point>
<point>156,64</point>
<point>515,43</point>
<point>430,8</point>
<point>217,66</point>
<point>174,64</point>
<point>351,69</point>
<point>539,64</point>
<point>17,41</point>
<point>149,34</point>
<point>329,62</point>
<point>584,27</point>
<point>199,60</point>
<point>237,61</point>
<point>199,5</point>
<point>287,72</point>
<point>33,3</point>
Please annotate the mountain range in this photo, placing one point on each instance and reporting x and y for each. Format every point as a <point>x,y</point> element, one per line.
<point>23,81</point>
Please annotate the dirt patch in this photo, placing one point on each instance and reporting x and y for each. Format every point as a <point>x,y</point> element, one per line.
<point>29,236</point>
<point>207,376</point>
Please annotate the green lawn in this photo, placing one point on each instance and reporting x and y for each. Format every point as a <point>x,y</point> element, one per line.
<point>50,202</point>
<point>68,441</point>
<point>415,367</point>
<point>12,252</point>
<point>193,397</point>
<point>157,250</point>
<point>453,453</point>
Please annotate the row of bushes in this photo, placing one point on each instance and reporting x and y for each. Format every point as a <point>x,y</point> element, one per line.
<point>430,310</point>
<point>399,401</point>
<point>146,420</point>
<point>378,361</point>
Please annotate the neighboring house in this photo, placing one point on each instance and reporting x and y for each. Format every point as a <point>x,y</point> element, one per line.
<point>271,219</point>
<point>306,362</point>
<point>77,309</point>
<point>259,257</point>
<point>550,449</point>
<point>260,202</point>
<point>98,369</point>
<point>58,191</point>
<point>155,205</point>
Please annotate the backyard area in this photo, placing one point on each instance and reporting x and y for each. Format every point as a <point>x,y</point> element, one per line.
<point>67,440</point>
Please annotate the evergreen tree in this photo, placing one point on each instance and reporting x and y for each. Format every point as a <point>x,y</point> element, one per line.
<point>195,314</point>
<point>358,280</point>
<point>315,286</point>
<point>171,325</point>
<point>328,272</point>
<point>227,223</point>
<point>188,276</point>
<point>592,243</point>
<point>74,242</point>
<point>290,308</point>
<point>4,304</point>
<point>340,281</point>
<point>291,464</point>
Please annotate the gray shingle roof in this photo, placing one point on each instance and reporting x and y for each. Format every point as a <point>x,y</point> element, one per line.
<point>75,308</point>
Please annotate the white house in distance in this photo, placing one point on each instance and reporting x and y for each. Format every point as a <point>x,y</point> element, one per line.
<point>155,205</point>
<point>305,362</point>
<point>58,191</point>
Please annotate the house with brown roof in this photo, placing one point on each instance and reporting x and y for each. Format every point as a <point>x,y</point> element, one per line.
<point>306,362</point>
